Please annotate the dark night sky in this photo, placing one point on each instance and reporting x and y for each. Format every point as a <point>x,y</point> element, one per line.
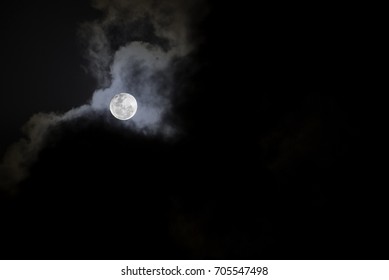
<point>274,161</point>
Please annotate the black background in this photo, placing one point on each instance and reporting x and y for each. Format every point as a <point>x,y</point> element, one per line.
<point>276,161</point>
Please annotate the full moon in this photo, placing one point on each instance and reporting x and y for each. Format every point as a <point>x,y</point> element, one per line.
<point>123,106</point>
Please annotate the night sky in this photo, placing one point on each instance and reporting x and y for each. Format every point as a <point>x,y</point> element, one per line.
<point>254,139</point>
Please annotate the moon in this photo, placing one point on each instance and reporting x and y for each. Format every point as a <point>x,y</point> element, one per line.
<point>123,106</point>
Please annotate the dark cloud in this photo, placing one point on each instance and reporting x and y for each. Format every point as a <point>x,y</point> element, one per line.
<point>273,165</point>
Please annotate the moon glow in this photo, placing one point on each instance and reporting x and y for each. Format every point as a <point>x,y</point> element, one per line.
<point>123,106</point>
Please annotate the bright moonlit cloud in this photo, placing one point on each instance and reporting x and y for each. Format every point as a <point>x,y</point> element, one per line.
<point>142,70</point>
